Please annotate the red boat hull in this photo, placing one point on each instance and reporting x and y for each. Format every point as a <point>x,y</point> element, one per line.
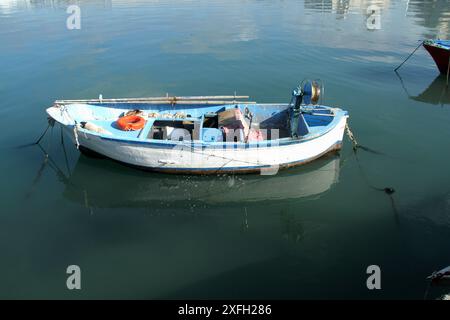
<point>440,56</point>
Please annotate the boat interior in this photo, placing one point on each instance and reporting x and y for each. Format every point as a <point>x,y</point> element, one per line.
<point>211,123</point>
<point>442,43</point>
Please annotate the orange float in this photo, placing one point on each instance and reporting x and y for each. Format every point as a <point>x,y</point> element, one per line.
<point>130,123</point>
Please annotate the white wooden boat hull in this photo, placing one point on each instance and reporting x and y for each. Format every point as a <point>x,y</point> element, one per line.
<point>190,157</point>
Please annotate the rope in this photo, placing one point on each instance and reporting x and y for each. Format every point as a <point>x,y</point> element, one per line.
<point>49,145</point>
<point>388,190</point>
<point>351,136</point>
<point>425,296</point>
<point>64,150</point>
<point>52,164</point>
<point>42,135</point>
<point>37,178</point>
<point>48,159</point>
<point>403,84</point>
<point>410,55</point>
<point>75,134</point>
<point>51,123</point>
<point>355,143</point>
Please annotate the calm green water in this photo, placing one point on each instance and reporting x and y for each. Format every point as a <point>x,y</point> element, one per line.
<point>309,232</point>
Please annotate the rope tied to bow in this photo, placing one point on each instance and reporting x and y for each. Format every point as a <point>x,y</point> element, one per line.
<point>75,134</point>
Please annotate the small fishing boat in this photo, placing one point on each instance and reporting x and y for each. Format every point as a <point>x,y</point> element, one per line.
<point>443,274</point>
<point>445,297</point>
<point>203,135</point>
<point>440,52</point>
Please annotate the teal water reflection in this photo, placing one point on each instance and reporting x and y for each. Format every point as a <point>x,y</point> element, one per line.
<point>310,232</point>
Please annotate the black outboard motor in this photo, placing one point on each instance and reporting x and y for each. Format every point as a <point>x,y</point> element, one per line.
<point>297,95</point>
<point>308,92</point>
<point>295,112</point>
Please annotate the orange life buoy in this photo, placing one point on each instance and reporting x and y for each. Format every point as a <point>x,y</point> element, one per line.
<point>128,123</point>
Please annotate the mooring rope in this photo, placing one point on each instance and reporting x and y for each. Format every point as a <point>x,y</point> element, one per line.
<point>64,150</point>
<point>351,136</point>
<point>43,134</point>
<point>52,164</point>
<point>37,178</point>
<point>47,158</point>
<point>51,123</point>
<point>427,289</point>
<point>410,55</point>
<point>355,143</point>
<point>49,143</point>
<point>75,134</point>
<point>388,190</point>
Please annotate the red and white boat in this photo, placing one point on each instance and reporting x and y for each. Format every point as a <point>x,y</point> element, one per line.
<point>440,52</point>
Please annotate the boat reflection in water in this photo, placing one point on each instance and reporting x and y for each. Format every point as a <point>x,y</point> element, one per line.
<point>105,184</point>
<point>437,92</point>
<point>208,241</point>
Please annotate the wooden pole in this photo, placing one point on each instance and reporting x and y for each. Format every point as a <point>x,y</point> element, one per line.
<point>137,102</point>
<point>171,99</point>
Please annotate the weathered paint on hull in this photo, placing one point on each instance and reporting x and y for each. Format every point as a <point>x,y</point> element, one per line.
<point>186,160</point>
<point>91,153</point>
<point>334,148</point>
<point>440,56</point>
